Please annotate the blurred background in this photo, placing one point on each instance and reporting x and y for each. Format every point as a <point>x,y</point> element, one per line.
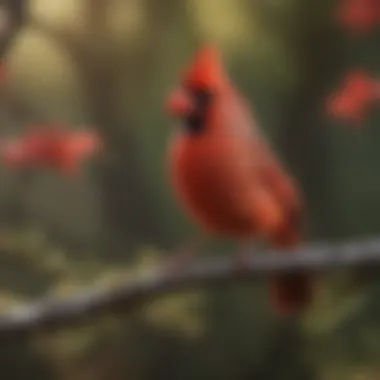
<point>110,65</point>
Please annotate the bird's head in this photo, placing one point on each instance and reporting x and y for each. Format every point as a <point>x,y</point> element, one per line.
<point>201,82</point>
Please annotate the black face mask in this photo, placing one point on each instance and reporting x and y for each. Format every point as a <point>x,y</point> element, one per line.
<point>195,122</point>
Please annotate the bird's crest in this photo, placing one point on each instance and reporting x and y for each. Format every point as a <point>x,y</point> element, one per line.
<point>205,71</point>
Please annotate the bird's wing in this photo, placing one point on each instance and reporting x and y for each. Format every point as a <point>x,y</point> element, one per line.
<point>274,176</point>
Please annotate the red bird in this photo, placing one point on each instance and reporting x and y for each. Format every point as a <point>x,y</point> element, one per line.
<point>226,175</point>
<point>54,148</point>
<point>355,97</point>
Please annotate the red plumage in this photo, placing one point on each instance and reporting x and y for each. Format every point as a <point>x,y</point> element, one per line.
<point>226,175</point>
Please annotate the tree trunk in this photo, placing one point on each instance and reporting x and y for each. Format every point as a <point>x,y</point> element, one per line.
<point>304,142</point>
<point>303,137</point>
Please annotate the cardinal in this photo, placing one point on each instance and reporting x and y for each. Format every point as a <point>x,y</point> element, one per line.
<point>227,177</point>
<point>352,102</point>
<point>52,147</point>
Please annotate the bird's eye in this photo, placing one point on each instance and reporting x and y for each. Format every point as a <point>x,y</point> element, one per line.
<point>202,98</point>
<point>196,121</point>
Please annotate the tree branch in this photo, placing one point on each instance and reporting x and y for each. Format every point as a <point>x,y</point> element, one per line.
<point>13,15</point>
<point>48,314</point>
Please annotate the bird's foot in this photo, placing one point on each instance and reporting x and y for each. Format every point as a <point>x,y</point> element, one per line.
<point>183,255</point>
<point>242,259</point>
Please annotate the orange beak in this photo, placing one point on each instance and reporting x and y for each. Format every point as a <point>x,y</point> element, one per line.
<point>179,104</point>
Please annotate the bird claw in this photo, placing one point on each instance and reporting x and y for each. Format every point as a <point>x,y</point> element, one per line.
<point>242,260</point>
<point>182,257</point>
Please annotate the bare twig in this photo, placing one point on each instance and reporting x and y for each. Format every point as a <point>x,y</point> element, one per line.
<point>12,17</point>
<point>48,313</point>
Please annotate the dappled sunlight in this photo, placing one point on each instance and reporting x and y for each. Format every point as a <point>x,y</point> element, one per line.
<point>42,73</point>
<point>229,23</point>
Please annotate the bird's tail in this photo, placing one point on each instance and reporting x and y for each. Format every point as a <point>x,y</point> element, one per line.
<point>290,293</point>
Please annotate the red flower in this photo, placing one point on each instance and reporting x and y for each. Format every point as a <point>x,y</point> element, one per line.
<point>53,147</point>
<point>359,16</point>
<point>355,97</point>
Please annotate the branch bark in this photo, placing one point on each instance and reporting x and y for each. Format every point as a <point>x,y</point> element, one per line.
<point>48,314</point>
